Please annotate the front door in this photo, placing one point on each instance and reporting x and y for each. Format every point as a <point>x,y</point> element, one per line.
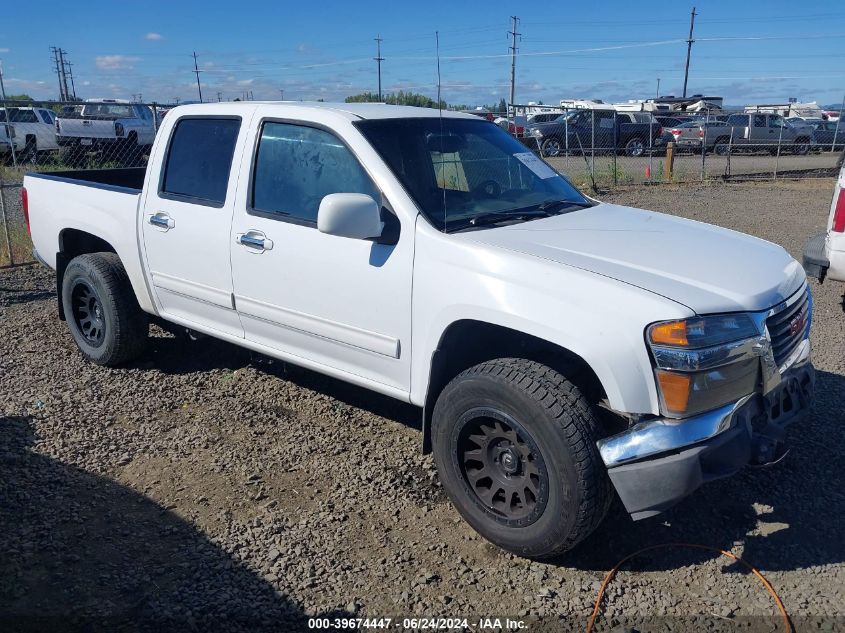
<point>329,302</point>
<point>186,224</point>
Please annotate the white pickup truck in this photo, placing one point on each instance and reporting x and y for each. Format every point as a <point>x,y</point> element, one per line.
<point>119,130</point>
<point>559,347</point>
<point>824,254</point>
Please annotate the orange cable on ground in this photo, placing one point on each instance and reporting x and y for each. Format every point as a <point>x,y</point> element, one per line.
<point>596,609</point>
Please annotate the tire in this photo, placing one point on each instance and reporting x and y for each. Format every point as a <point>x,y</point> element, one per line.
<point>73,155</point>
<point>544,433</point>
<point>551,147</point>
<point>102,312</point>
<point>635,147</point>
<point>30,151</point>
<point>801,147</point>
<point>722,146</point>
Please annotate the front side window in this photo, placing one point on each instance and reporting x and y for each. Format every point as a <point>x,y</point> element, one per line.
<point>738,120</point>
<point>464,174</point>
<point>297,166</point>
<point>47,116</point>
<point>199,159</point>
<point>759,120</point>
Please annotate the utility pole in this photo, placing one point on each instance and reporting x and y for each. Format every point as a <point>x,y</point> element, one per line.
<point>55,51</point>
<point>658,88</point>
<point>197,72</point>
<point>513,34</point>
<point>378,59</point>
<point>282,92</point>
<point>72,85</point>
<point>689,48</point>
<point>219,96</point>
<point>62,63</point>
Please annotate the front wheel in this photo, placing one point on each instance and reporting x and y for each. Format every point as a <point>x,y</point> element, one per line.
<point>551,147</point>
<point>515,447</point>
<point>102,313</point>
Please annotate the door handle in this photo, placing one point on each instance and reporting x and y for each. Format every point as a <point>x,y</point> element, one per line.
<point>255,240</point>
<point>162,221</point>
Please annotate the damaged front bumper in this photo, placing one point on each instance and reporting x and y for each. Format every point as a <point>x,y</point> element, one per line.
<point>656,463</point>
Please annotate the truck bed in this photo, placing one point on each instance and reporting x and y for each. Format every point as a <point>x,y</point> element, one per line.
<point>128,179</point>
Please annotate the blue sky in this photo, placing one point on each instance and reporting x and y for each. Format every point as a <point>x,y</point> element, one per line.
<point>749,52</point>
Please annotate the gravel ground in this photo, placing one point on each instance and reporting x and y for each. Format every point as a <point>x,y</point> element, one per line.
<point>207,488</point>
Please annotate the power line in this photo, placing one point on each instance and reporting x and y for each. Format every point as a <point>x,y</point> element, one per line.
<point>378,59</point>
<point>689,49</point>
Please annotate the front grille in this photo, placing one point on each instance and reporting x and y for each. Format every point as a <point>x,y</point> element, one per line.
<point>788,327</point>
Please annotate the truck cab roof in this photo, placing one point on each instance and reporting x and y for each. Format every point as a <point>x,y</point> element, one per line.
<point>354,111</point>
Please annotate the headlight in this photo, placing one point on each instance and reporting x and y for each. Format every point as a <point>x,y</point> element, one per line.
<point>705,362</point>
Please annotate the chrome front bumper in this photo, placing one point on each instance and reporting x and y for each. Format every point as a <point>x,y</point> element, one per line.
<point>656,463</point>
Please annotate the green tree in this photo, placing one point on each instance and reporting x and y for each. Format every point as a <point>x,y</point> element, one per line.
<point>20,97</point>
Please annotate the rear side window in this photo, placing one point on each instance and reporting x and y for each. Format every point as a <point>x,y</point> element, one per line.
<point>296,166</point>
<point>199,159</point>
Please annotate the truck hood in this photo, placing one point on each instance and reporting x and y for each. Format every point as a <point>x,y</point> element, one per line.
<point>704,267</point>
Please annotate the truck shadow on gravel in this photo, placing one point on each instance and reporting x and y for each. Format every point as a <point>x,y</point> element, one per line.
<point>83,553</point>
<point>784,517</point>
<point>181,355</point>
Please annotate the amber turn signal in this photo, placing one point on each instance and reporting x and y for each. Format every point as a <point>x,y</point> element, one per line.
<point>669,333</point>
<point>675,390</point>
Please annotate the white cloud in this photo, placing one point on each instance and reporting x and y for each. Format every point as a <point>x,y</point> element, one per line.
<point>154,37</point>
<point>246,82</point>
<point>4,50</point>
<point>115,62</point>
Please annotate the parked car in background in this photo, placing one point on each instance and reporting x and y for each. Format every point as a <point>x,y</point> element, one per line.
<point>586,130</point>
<point>828,135</point>
<point>116,129</point>
<point>34,128</point>
<point>746,132</point>
<point>824,254</point>
<point>664,132</point>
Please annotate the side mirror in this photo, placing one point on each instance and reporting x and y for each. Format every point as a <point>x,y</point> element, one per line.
<point>353,215</point>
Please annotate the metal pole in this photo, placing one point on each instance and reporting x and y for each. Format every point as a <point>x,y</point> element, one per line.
<point>379,59</point>
<point>64,73</point>
<point>777,158</point>
<point>615,143</point>
<point>593,145</point>
<point>9,128</point>
<point>704,149</point>
<point>197,71</point>
<point>657,94</point>
<point>836,131</point>
<point>55,52</point>
<point>5,224</point>
<point>689,49</point>
<point>651,144</point>
<point>513,32</point>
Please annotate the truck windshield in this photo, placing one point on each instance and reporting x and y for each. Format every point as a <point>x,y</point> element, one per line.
<point>464,173</point>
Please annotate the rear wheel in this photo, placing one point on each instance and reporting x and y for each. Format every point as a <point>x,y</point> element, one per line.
<point>515,447</point>
<point>634,147</point>
<point>801,147</point>
<point>102,313</point>
<point>722,146</point>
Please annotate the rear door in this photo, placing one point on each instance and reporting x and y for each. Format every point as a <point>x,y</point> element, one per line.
<point>761,132</point>
<point>186,222</point>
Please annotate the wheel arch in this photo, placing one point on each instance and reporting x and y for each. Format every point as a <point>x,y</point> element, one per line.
<point>468,342</point>
<point>73,243</point>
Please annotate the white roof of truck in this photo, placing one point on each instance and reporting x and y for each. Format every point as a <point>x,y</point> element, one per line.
<point>352,110</point>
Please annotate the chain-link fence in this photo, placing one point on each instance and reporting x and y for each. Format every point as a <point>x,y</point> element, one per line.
<point>613,147</point>
<point>60,136</point>
<point>594,147</point>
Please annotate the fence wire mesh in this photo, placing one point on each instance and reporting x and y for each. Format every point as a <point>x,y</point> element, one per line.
<point>593,147</point>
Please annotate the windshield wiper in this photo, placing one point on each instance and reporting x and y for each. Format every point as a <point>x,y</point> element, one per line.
<point>543,210</point>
